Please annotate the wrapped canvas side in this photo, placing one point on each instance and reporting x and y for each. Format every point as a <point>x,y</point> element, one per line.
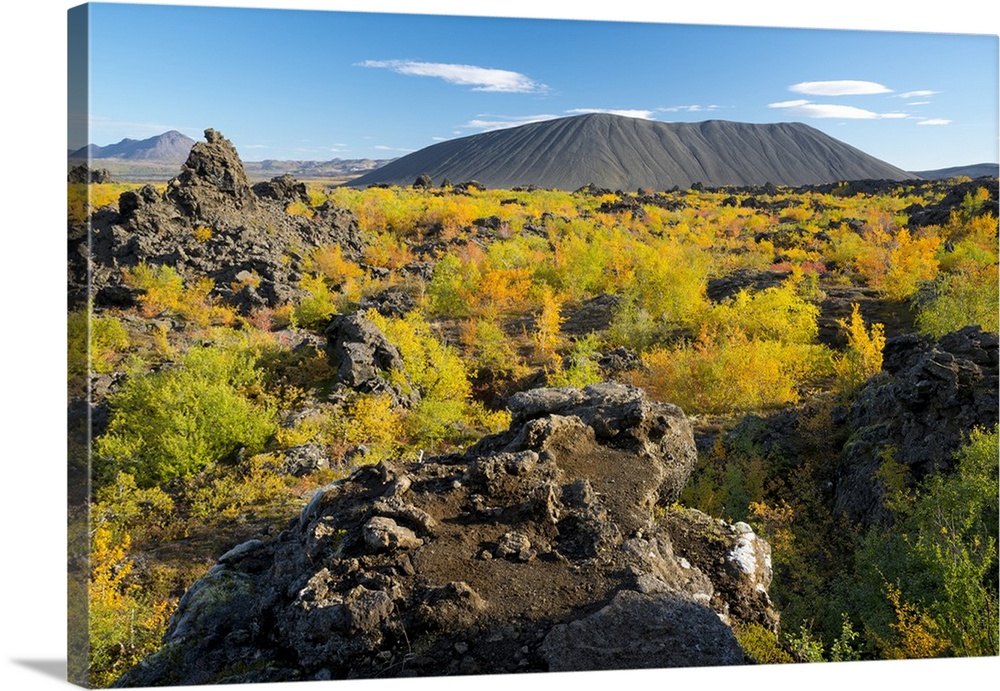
<point>78,361</point>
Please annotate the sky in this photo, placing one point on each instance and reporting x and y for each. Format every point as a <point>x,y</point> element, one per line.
<point>317,85</point>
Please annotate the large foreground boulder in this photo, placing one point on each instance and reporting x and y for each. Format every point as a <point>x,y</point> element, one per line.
<point>549,547</point>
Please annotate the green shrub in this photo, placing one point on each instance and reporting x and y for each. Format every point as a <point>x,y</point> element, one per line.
<point>489,348</point>
<point>124,508</point>
<point>930,585</point>
<point>315,309</point>
<point>761,645</point>
<point>448,288</point>
<point>805,647</point>
<point>580,367</point>
<point>633,326</point>
<point>93,342</point>
<point>183,418</point>
<point>968,296</point>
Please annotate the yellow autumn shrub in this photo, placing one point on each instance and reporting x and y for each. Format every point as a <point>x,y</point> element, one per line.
<point>546,336</point>
<point>777,313</point>
<point>730,374</point>
<point>897,265</point>
<point>863,357</point>
<point>166,291</point>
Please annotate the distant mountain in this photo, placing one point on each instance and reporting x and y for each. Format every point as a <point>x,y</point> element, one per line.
<point>155,159</point>
<point>171,146</point>
<point>619,152</point>
<point>976,170</point>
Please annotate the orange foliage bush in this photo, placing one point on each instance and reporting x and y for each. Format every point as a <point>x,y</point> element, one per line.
<point>165,291</point>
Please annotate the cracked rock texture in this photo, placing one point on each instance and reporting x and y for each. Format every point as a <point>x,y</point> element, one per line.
<point>553,546</point>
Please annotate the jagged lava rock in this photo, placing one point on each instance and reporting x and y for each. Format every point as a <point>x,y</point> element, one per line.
<point>919,410</point>
<point>211,223</point>
<point>212,177</point>
<point>84,175</point>
<point>544,548</point>
<point>362,355</point>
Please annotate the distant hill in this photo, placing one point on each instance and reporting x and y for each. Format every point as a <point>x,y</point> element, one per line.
<point>335,168</point>
<point>619,152</point>
<point>171,146</point>
<point>976,170</point>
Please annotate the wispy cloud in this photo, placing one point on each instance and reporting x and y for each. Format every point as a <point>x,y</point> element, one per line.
<point>383,147</point>
<point>808,109</point>
<point>918,103</point>
<point>629,113</point>
<point>479,78</point>
<point>921,93</point>
<point>934,121</point>
<point>488,123</point>
<point>688,109</point>
<point>789,104</point>
<point>842,87</point>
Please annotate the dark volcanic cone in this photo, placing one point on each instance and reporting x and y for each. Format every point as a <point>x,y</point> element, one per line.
<point>619,152</point>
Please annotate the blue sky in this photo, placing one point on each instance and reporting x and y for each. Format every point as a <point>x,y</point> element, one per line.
<point>308,84</point>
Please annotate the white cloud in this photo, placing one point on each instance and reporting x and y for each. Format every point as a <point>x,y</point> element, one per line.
<point>921,93</point>
<point>934,121</point>
<point>488,123</point>
<point>383,147</point>
<point>918,103</point>
<point>843,87</point>
<point>642,114</point>
<point>688,109</point>
<point>479,78</point>
<point>789,104</point>
<point>808,109</point>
